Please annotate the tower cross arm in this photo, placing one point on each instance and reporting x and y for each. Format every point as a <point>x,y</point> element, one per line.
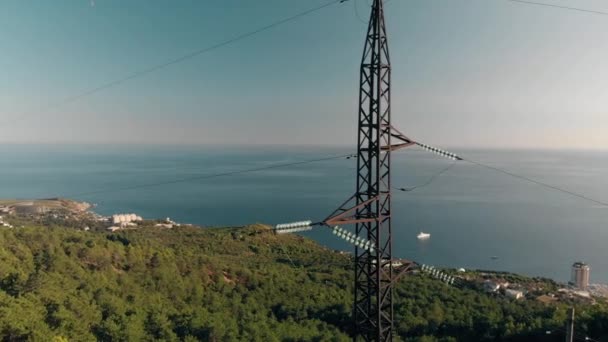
<point>402,140</point>
<point>350,215</point>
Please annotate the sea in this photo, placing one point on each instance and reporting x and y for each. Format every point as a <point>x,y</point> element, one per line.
<point>478,218</point>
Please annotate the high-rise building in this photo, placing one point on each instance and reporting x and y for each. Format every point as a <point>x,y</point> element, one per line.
<point>580,275</point>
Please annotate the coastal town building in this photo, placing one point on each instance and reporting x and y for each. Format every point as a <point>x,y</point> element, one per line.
<point>125,219</point>
<point>4,224</point>
<point>167,224</point>
<point>514,294</point>
<point>598,290</point>
<point>490,286</point>
<point>580,275</point>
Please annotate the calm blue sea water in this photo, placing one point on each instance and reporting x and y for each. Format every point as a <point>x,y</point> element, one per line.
<point>471,212</point>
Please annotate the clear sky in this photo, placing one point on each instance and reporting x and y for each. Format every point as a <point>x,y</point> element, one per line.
<point>466,73</point>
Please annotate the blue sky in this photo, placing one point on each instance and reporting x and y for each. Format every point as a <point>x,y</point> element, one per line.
<point>466,73</point>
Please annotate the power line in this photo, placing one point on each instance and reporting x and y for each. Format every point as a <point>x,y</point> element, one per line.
<point>578,9</point>
<point>428,181</point>
<point>208,49</point>
<point>209,176</point>
<point>181,59</point>
<point>357,13</point>
<point>348,156</point>
<point>546,185</point>
<point>497,169</point>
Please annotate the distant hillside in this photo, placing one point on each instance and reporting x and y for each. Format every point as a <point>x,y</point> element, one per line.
<point>243,284</point>
<point>42,205</point>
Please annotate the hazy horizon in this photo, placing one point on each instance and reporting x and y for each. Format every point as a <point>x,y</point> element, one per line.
<point>467,74</point>
<point>309,147</point>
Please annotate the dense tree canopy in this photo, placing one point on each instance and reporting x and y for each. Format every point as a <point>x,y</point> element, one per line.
<point>245,284</point>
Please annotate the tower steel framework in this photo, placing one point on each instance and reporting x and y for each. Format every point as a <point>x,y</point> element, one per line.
<point>370,207</point>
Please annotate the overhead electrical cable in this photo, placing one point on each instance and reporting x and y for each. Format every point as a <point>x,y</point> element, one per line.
<point>348,156</point>
<point>208,176</point>
<point>577,9</point>
<point>453,156</point>
<point>546,185</point>
<point>428,181</point>
<point>239,37</point>
<point>356,8</point>
<point>179,59</point>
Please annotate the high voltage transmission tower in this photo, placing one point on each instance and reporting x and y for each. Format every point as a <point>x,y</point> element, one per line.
<point>370,207</point>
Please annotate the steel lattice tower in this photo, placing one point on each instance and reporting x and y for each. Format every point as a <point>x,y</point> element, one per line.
<point>370,207</point>
<point>373,309</point>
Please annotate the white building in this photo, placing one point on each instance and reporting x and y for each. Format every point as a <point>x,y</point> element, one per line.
<point>514,294</point>
<point>490,286</point>
<point>124,219</point>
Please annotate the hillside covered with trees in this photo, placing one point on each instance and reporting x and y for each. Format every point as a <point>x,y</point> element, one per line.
<point>246,284</point>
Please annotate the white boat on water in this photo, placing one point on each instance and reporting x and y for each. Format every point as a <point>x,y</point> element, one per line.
<point>423,236</point>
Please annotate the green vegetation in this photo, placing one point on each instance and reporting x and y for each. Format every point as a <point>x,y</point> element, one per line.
<point>429,308</point>
<point>229,284</point>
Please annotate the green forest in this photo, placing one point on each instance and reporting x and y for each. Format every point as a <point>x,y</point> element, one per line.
<point>231,284</point>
